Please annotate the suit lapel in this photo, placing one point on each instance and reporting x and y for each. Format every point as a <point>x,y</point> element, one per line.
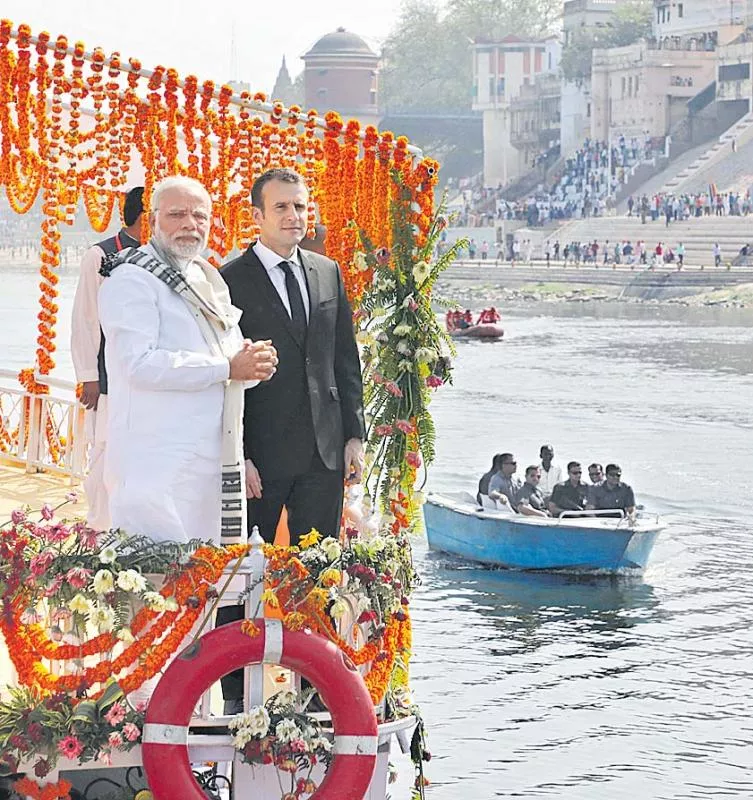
<point>263,280</point>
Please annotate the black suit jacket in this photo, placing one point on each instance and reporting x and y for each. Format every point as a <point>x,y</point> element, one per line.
<point>315,399</point>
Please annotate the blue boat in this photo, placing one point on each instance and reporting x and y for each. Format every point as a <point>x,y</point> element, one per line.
<point>457,525</point>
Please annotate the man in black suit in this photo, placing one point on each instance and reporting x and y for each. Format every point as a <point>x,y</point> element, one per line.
<point>303,429</point>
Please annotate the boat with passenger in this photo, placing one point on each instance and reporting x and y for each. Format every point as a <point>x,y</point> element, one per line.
<point>460,325</point>
<point>584,540</point>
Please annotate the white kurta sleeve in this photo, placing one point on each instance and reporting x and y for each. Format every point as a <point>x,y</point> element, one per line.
<point>130,318</point>
<point>85,332</point>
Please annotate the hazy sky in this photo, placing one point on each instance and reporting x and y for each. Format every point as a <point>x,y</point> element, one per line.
<point>197,37</point>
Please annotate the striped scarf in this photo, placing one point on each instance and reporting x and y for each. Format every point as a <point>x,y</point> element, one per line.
<point>209,302</point>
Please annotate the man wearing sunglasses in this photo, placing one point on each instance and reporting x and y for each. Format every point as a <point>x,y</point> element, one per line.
<point>504,486</point>
<point>572,495</point>
<point>613,493</point>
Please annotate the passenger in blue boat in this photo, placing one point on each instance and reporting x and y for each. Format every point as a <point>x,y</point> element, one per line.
<point>572,494</point>
<point>551,472</point>
<point>504,486</point>
<point>483,484</point>
<point>596,475</point>
<point>529,500</point>
<point>613,493</point>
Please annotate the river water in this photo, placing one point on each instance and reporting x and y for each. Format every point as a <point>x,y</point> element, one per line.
<point>586,688</point>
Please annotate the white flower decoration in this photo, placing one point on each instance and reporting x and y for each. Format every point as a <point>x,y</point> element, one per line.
<point>331,548</point>
<point>108,555</point>
<point>421,271</point>
<point>80,604</point>
<point>104,618</point>
<point>286,730</point>
<point>103,581</point>
<point>129,580</point>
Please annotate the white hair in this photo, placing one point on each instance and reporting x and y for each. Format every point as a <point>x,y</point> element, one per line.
<point>178,182</point>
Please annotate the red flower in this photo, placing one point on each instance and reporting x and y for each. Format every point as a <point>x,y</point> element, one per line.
<point>434,381</point>
<point>405,426</point>
<point>383,430</point>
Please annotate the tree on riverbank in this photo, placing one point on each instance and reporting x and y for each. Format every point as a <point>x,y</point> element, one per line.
<point>427,56</point>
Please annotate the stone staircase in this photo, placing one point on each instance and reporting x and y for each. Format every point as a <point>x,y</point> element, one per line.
<point>690,178</point>
<point>697,234</point>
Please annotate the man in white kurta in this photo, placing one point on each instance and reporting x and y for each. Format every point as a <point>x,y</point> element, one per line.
<point>86,344</point>
<point>163,465</point>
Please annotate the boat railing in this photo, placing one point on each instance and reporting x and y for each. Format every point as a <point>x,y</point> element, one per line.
<point>595,513</point>
<point>42,431</point>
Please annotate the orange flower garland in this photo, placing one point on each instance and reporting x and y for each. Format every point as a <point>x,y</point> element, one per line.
<point>30,789</point>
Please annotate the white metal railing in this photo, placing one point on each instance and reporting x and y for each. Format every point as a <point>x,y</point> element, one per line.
<point>42,431</point>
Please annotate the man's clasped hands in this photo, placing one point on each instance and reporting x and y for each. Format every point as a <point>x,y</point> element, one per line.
<point>255,361</point>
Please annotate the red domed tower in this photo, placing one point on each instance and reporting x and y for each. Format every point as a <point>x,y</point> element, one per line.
<point>341,74</point>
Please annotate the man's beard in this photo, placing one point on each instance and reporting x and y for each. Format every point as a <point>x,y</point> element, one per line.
<point>180,250</point>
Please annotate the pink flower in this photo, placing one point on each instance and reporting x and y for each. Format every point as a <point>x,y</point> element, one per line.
<point>116,714</point>
<point>54,586</point>
<point>70,747</point>
<point>105,757</point>
<point>131,731</point>
<point>298,746</point>
<point>40,563</point>
<point>87,536</point>
<point>413,459</point>
<point>434,381</point>
<point>405,426</point>
<point>72,497</point>
<point>383,430</point>
<point>141,706</point>
<point>115,739</point>
<point>377,378</point>
<point>394,389</point>
<point>382,256</point>
<point>47,513</point>
<point>18,516</point>
<point>78,577</point>
<point>57,533</point>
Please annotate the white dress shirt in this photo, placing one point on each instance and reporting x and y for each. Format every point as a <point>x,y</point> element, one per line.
<point>270,261</point>
<point>551,478</point>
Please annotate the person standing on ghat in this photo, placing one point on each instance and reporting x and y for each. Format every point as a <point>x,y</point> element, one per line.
<point>88,352</point>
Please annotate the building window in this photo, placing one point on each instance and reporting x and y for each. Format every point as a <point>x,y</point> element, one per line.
<point>322,72</point>
<point>630,86</point>
<point>321,93</point>
<point>623,86</point>
<point>636,86</point>
<point>492,83</point>
<point>372,97</point>
<point>680,10</point>
<point>588,110</point>
<point>501,87</point>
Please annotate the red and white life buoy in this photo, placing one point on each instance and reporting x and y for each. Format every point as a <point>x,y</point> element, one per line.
<point>165,737</point>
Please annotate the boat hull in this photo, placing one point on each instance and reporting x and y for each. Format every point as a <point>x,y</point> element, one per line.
<point>532,543</point>
<point>483,331</point>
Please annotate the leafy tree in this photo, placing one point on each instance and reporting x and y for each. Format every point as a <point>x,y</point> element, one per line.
<point>426,66</point>
<point>428,59</point>
<point>629,23</point>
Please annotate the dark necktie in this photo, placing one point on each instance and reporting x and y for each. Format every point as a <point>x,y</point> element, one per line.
<point>297,309</point>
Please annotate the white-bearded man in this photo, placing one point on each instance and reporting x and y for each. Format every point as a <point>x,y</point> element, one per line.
<point>177,366</point>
